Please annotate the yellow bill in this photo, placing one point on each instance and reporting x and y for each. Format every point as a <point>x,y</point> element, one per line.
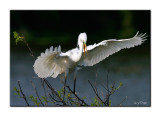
<point>84,48</point>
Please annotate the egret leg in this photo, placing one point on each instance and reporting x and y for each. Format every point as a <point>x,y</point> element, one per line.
<point>65,86</point>
<point>75,78</point>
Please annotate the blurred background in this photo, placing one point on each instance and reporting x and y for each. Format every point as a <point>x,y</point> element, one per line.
<point>43,29</point>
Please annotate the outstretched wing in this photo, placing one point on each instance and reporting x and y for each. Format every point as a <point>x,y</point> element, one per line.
<point>102,50</point>
<point>49,64</point>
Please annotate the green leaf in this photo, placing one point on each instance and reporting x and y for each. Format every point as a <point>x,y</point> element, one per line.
<point>17,37</point>
<point>44,99</point>
<point>17,91</point>
<point>84,97</point>
<point>101,104</point>
<point>62,90</point>
<point>120,84</point>
<point>69,95</point>
<point>96,101</point>
<point>111,86</point>
<point>92,104</point>
<point>109,102</point>
<point>59,93</point>
<point>34,99</point>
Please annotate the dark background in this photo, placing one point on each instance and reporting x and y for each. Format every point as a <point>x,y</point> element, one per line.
<point>46,28</point>
<point>43,29</point>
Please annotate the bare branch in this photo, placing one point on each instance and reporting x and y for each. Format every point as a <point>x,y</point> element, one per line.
<point>54,92</point>
<point>29,48</point>
<point>37,93</point>
<point>123,101</point>
<point>64,88</point>
<point>76,95</point>
<point>74,89</point>
<point>107,99</point>
<point>24,97</point>
<point>95,91</point>
<point>53,98</point>
<point>42,82</point>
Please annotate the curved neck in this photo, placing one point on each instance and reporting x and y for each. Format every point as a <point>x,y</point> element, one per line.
<point>80,49</point>
<point>78,54</point>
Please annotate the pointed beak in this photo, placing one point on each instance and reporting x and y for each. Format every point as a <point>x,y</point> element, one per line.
<point>84,48</point>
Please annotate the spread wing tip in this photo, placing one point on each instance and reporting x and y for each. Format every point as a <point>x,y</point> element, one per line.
<point>51,50</point>
<point>142,36</point>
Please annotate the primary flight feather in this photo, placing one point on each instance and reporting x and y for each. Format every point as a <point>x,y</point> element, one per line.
<point>54,62</point>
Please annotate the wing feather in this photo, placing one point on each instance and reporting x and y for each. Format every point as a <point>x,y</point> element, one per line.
<point>102,50</point>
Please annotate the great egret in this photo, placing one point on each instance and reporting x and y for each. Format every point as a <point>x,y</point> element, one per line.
<point>54,62</point>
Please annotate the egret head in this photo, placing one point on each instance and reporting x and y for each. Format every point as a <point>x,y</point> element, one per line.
<point>82,39</point>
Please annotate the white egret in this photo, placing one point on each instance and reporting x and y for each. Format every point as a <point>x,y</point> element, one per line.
<point>54,62</point>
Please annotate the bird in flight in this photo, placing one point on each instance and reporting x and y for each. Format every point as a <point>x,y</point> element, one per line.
<point>55,62</point>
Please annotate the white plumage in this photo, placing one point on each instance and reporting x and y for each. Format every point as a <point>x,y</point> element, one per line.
<point>54,62</point>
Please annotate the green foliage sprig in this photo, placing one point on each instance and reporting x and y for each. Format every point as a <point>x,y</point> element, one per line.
<point>17,91</point>
<point>34,99</point>
<point>17,37</point>
<point>44,99</point>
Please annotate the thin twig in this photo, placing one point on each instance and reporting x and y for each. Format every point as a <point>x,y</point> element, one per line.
<point>104,87</point>
<point>110,93</point>
<point>54,92</point>
<point>42,82</point>
<point>52,98</point>
<point>76,95</point>
<point>95,91</point>
<point>23,93</point>
<point>123,101</point>
<point>107,100</point>
<point>64,92</point>
<point>37,93</point>
<point>29,48</point>
<point>74,89</point>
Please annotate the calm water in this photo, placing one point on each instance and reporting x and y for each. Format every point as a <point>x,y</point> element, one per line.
<point>130,69</point>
